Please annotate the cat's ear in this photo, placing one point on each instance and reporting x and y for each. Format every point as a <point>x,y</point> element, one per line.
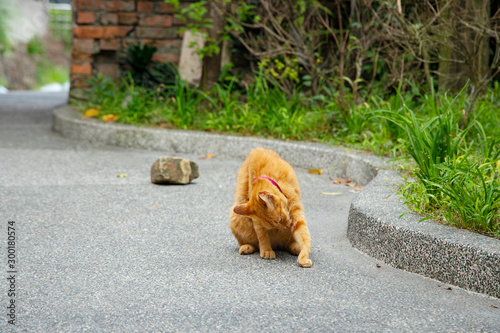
<point>243,209</point>
<point>267,198</point>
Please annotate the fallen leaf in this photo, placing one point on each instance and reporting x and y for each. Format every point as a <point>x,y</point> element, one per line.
<point>341,181</point>
<point>316,171</point>
<point>331,193</point>
<point>352,185</point>
<point>91,113</point>
<point>109,118</point>
<point>378,266</point>
<point>155,206</point>
<point>494,307</point>
<point>449,288</point>
<point>359,189</point>
<point>210,156</point>
<point>121,175</point>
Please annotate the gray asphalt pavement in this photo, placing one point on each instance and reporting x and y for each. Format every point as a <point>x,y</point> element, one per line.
<point>101,253</point>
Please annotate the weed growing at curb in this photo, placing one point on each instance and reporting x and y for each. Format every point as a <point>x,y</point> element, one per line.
<point>457,171</point>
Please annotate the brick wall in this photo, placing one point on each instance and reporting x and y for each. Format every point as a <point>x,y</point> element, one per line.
<point>103,29</point>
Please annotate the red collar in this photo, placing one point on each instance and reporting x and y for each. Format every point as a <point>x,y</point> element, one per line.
<point>272,181</point>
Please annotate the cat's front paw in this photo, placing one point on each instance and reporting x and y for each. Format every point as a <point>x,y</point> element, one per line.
<point>305,263</point>
<point>247,249</point>
<point>268,254</point>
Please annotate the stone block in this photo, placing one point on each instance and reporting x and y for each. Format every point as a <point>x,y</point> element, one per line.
<point>190,65</point>
<point>173,170</point>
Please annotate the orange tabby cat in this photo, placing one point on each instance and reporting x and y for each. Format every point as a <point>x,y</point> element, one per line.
<point>267,213</point>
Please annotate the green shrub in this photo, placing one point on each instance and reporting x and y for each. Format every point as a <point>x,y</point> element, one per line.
<point>35,46</point>
<point>47,72</point>
<point>4,41</point>
<point>145,72</point>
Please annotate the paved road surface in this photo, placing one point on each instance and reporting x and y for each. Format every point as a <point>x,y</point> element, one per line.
<point>97,253</point>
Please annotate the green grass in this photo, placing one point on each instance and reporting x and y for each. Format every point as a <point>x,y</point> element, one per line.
<point>456,165</point>
<point>35,46</point>
<point>260,109</point>
<point>455,161</point>
<point>5,11</point>
<point>60,26</point>
<point>467,195</point>
<point>47,72</point>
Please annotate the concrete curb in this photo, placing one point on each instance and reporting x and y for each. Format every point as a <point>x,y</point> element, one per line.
<point>457,257</point>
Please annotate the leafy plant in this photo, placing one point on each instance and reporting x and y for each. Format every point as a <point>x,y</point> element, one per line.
<point>47,72</point>
<point>60,26</point>
<point>139,58</point>
<point>4,41</point>
<point>102,90</point>
<point>35,46</point>
<point>194,18</point>
<point>431,142</point>
<point>144,71</point>
<point>473,193</point>
<point>183,103</point>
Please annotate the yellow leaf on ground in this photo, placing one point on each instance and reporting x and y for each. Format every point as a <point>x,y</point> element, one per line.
<point>121,175</point>
<point>210,156</point>
<point>91,113</point>
<point>352,185</point>
<point>341,181</point>
<point>316,171</point>
<point>109,118</point>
